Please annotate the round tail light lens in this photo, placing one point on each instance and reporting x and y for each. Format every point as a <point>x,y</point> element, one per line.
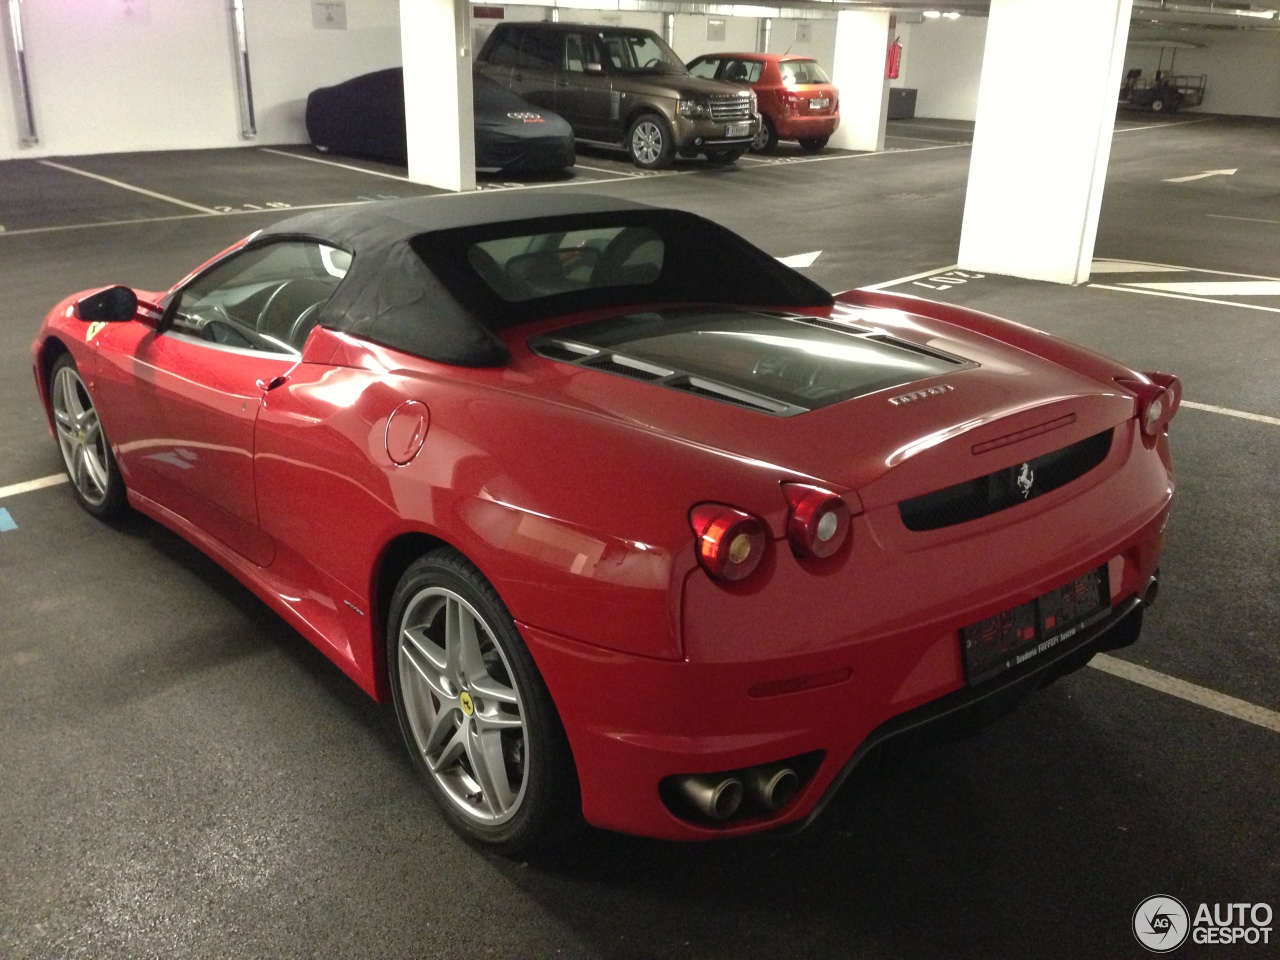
<point>1159,396</point>
<point>818,524</point>
<point>730,542</point>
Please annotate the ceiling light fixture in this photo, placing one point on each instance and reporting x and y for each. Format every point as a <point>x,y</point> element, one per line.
<point>932,14</point>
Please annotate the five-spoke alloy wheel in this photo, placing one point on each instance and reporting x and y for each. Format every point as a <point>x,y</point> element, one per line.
<point>85,450</point>
<point>473,709</point>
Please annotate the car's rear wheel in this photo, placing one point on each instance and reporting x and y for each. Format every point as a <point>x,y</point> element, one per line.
<point>85,451</point>
<point>766,140</point>
<point>813,144</point>
<point>473,709</point>
<point>649,142</point>
<point>725,156</point>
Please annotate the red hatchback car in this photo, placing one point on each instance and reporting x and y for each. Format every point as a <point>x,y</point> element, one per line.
<point>630,522</point>
<point>794,95</point>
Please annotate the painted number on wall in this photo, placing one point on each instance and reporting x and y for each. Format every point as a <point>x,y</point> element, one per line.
<point>945,281</point>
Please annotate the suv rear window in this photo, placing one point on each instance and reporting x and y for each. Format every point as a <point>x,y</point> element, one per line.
<point>802,71</point>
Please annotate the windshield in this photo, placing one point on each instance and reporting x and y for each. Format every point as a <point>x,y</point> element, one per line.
<point>802,71</point>
<point>640,51</point>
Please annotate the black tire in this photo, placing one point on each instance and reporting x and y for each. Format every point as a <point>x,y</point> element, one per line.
<point>86,452</point>
<point>813,144</point>
<point>480,724</point>
<point>1157,105</point>
<point>650,143</point>
<point>766,140</point>
<point>725,157</point>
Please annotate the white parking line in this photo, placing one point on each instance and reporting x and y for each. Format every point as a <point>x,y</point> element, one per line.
<point>1181,296</point>
<point>335,163</point>
<point>1163,126</point>
<point>26,487</point>
<point>898,136</point>
<point>178,216</point>
<point>1139,266</point>
<point>1228,412</point>
<point>127,186</point>
<point>1223,216</point>
<point>1232,707</point>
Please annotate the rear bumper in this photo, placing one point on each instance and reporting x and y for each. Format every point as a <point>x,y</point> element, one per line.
<point>633,721</point>
<point>804,128</point>
<point>830,667</point>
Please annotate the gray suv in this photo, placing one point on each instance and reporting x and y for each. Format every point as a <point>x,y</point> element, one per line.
<point>622,87</point>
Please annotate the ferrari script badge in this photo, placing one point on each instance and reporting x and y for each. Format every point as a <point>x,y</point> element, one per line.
<point>1026,477</point>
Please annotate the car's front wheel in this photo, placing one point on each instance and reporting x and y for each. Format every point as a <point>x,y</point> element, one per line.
<point>649,142</point>
<point>85,451</point>
<point>473,709</point>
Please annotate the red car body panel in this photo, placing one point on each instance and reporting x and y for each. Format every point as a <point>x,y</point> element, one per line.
<point>298,475</point>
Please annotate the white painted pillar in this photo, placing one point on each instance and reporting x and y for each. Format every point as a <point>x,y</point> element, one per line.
<point>862,40</point>
<point>435,42</point>
<point>1043,137</point>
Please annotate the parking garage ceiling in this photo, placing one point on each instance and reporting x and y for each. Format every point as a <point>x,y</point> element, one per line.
<point>1207,13</point>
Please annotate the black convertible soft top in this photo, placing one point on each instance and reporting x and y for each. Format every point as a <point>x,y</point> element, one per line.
<point>410,285</point>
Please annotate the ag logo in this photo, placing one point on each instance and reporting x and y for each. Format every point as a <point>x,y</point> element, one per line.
<point>1161,924</point>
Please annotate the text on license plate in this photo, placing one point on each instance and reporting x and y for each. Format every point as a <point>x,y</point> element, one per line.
<point>820,103</point>
<point>1007,639</point>
<point>736,129</point>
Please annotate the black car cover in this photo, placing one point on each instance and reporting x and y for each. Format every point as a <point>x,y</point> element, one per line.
<point>364,116</point>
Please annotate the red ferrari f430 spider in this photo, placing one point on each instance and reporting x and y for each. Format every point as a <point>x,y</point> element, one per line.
<point>629,521</point>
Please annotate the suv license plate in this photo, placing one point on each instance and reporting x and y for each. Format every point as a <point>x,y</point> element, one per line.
<point>820,103</point>
<point>737,129</point>
<point>997,643</point>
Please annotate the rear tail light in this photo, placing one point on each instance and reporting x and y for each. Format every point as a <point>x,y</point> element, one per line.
<point>730,543</point>
<point>818,524</point>
<point>1159,396</point>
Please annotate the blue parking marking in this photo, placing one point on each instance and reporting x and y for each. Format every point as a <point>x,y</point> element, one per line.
<point>6,521</point>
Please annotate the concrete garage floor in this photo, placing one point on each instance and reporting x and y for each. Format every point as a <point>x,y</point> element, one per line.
<point>184,776</point>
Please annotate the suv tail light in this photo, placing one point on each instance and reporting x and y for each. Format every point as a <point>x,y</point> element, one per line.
<point>1159,396</point>
<point>730,542</point>
<point>818,524</point>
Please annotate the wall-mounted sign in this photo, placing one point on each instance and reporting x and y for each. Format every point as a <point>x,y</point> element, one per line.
<point>489,13</point>
<point>329,14</point>
<point>804,31</point>
<point>715,30</point>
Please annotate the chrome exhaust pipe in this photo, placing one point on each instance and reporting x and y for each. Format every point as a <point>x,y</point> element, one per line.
<point>773,787</point>
<point>1153,590</point>
<point>715,795</point>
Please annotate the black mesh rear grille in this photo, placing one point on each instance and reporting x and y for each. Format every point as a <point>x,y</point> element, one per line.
<point>555,351</point>
<point>1004,488</point>
<point>612,366</point>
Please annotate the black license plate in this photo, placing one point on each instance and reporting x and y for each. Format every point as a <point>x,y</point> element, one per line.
<point>1015,636</point>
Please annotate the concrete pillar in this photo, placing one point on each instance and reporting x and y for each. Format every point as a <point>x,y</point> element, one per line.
<point>1043,137</point>
<point>435,42</point>
<point>862,40</point>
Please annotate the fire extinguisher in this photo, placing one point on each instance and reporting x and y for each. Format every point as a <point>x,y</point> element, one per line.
<point>893,59</point>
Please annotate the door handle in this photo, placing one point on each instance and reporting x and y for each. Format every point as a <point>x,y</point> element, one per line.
<point>265,385</point>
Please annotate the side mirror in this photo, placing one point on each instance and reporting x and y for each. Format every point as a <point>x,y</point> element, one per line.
<point>109,305</point>
<point>590,67</point>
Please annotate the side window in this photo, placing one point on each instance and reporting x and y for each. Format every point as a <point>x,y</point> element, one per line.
<point>505,51</point>
<point>541,50</point>
<point>581,53</point>
<point>265,298</point>
<point>742,71</point>
<point>705,67</point>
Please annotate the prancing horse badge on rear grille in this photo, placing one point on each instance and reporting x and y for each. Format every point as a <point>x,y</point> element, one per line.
<point>1026,477</point>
